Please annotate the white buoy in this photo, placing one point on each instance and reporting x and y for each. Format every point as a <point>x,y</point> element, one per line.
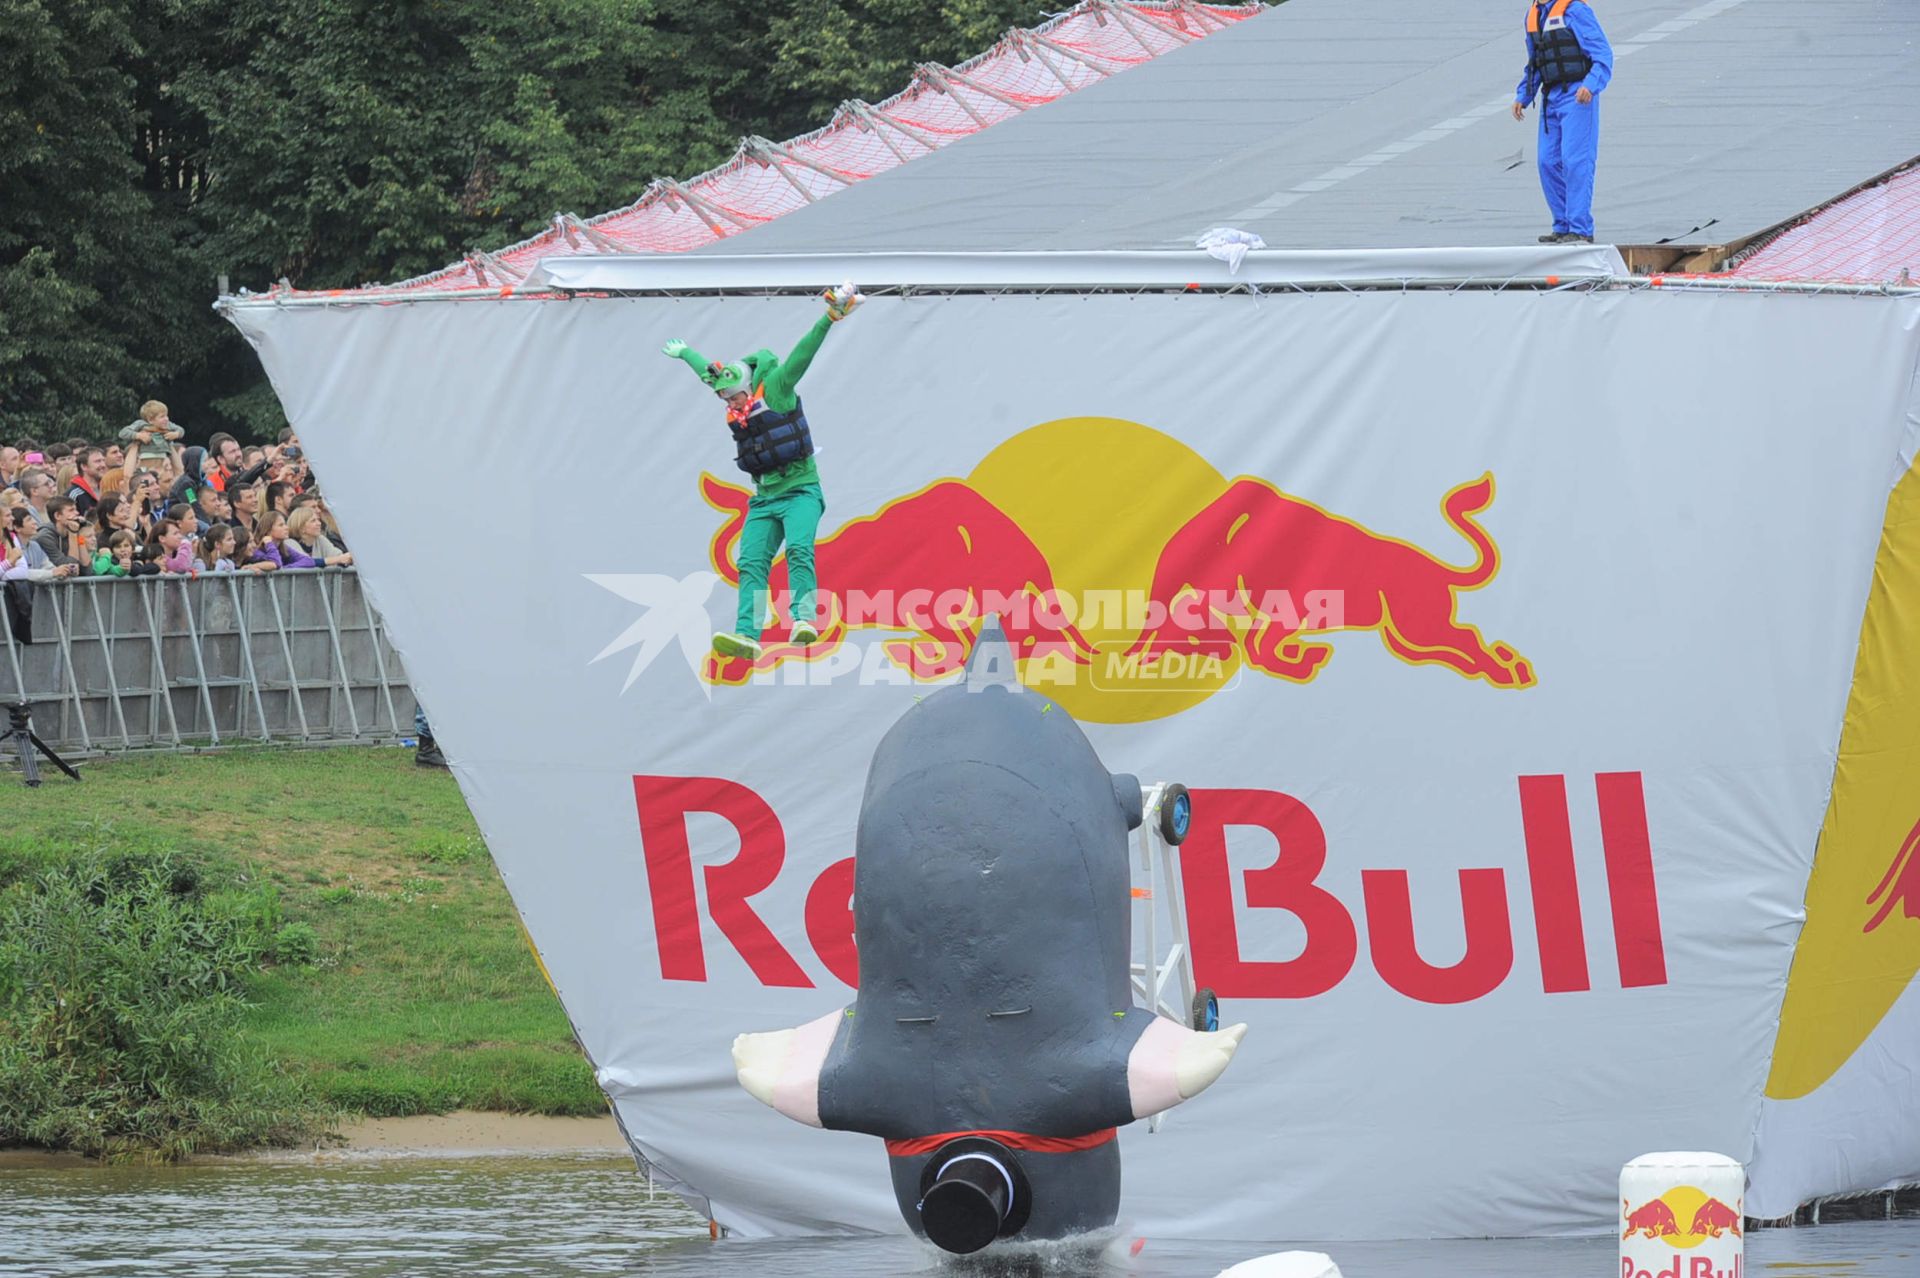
<point>1681,1216</point>
<point>1285,1264</point>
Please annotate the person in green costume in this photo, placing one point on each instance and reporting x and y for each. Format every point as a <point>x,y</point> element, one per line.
<point>772,443</point>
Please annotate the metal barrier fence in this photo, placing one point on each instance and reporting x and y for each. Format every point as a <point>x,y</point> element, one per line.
<point>161,663</point>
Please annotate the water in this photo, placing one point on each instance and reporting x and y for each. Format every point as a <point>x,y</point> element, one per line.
<point>549,1217</point>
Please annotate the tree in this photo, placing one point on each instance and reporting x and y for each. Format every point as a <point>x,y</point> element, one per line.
<point>89,266</point>
<point>158,144</point>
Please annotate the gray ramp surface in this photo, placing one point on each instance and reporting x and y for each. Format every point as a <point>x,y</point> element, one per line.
<point>1384,124</point>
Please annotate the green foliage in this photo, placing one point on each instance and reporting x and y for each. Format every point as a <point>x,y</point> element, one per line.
<point>440,847</point>
<point>296,944</point>
<point>421,996</point>
<point>827,51</point>
<point>121,982</point>
<point>149,146</point>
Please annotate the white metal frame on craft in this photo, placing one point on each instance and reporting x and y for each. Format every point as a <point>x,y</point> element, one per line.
<point>1151,973</point>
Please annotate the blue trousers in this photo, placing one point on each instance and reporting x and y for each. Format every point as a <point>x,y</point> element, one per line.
<point>1569,150</point>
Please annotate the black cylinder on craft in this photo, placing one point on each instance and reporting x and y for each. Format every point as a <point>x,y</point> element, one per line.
<point>972,1193</point>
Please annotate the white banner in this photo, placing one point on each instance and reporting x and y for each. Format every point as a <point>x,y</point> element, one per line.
<point>1503,832</point>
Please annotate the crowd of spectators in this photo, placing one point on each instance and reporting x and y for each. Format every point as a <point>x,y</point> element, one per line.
<point>142,505</point>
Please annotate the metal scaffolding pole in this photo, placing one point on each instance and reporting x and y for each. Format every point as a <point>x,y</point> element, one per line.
<point>106,655</point>
<point>199,661</point>
<point>246,656</point>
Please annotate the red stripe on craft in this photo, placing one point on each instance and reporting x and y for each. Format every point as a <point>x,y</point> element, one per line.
<point>1012,1140</point>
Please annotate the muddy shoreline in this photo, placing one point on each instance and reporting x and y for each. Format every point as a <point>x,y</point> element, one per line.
<point>463,1134</point>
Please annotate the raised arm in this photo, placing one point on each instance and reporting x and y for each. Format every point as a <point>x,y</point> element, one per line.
<point>840,303</point>
<point>677,349</point>
<point>794,367</point>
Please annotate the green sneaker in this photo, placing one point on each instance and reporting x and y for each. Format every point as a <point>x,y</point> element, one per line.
<point>732,645</point>
<point>804,634</point>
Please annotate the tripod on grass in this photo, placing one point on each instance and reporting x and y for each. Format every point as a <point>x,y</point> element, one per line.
<point>21,735</point>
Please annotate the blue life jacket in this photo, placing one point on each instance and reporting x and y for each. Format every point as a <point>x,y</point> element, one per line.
<point>767,441</point>
<point>1557,56</point>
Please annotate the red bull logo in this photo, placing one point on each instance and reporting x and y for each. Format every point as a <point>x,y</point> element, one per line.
<point>1255,542</point>
<point>724,904</point>
<point>1135,595</point>
<point>1682,1219</point>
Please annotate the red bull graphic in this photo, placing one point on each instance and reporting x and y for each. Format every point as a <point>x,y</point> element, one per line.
<point>1157,581</point>
<point>931,563</point>
<point>1714,1218</point>
<point>1658,1235</point>
<point>1256,543</point>
<point>1900,887</point>
<point>1655,1220</point>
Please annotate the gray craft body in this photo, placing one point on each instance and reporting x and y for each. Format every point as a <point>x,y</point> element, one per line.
<point>992,907</point>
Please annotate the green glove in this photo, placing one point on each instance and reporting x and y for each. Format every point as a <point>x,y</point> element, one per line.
<point>674,349</point>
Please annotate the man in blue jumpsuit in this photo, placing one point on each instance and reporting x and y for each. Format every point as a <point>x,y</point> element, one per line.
<point>1568,63</point>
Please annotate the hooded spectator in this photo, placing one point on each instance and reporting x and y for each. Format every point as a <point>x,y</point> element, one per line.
<point>192,478</point>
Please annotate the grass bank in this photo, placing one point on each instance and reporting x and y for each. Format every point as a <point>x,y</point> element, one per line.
<point>415,991</point>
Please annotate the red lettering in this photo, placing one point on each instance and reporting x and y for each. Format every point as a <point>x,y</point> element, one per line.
<point>1489,956</point>
<point>1556,888</point>
<point>1636,900</point>
<point>663,804</point>
<point>1288,884</point>
<point>830,921</point>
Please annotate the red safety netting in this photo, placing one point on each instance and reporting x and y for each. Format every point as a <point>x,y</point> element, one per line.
<point>764,180</point>
<point>1869,238</point>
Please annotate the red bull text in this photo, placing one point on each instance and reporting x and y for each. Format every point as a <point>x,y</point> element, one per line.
<point>1291,883</point>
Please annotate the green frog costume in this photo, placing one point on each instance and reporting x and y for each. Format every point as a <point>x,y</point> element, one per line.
<point>772,443</point>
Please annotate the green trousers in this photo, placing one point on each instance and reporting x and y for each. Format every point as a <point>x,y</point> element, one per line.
<point>793,516</point>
